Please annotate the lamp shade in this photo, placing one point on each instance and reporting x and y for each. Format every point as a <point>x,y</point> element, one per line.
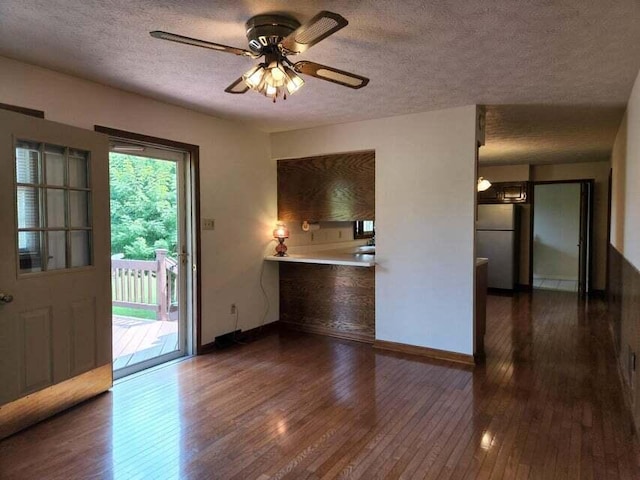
<point>254,77</point>
<point>281,231</point>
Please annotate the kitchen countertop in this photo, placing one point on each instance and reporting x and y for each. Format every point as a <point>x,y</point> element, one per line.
<point>339,257</point>
<point>328,257</point>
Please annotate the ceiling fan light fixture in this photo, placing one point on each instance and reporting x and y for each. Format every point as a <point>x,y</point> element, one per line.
<point>293,81</point>
<point>254,77</point>
<point>273,79</point>
<point>269,79</point>
<point>277,73</point>
<point>270,90</point>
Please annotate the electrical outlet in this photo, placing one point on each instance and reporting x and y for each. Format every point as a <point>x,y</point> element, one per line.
<point>233,309</point>
<point>208,224</point>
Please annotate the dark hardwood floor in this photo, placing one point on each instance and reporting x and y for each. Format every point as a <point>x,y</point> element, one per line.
<point>546,405</point>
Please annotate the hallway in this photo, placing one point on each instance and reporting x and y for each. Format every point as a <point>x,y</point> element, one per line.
<point>547,404</point>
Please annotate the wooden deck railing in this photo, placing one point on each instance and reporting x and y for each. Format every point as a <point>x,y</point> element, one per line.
<point>146,284</point>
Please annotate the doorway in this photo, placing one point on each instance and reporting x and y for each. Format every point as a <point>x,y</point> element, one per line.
<point>151,254</point>
<point>561,236</point>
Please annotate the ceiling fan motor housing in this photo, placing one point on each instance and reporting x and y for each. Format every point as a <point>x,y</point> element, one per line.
<point>266,31</point>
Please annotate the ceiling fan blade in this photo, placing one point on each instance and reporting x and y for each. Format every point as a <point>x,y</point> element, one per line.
<point>331,74</point>
<point>201,43</point>
<point>317,29</point>
<point>237,87</point>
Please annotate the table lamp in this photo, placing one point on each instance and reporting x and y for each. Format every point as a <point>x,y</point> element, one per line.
<point>281,232</point>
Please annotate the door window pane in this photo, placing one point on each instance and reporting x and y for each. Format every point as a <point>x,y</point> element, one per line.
<point>28,200</point>
<point>57,246</point>
<point>55,165</point>
<point>55,208</point>
<point>79,208</point>
<point>78,176</point>
<point>80,249</point>
<point>30,251</point>
<point>53,221</point>
<point>27,163</point>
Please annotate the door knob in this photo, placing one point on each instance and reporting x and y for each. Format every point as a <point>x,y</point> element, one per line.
<point>5,298</point>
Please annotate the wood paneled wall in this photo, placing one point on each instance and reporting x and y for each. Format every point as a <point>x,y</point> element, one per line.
<point>329,299</point>
<point>624,314</point>
<point>339,187</point>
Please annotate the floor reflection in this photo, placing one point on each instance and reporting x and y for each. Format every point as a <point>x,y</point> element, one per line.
<point>147,428</point>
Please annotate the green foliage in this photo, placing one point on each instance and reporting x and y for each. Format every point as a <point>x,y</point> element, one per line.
<point>133,312</point>
<point>143,206</point>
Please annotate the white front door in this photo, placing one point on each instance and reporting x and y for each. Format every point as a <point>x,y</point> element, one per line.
<point>55,308</point>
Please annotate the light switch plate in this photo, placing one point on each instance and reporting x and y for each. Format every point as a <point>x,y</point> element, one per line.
<point>208,224</point>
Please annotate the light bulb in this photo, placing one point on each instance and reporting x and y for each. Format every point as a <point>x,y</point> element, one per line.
<point>277,74</point>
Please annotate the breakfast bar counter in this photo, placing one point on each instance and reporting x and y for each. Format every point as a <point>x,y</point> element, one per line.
<point>328,257</point>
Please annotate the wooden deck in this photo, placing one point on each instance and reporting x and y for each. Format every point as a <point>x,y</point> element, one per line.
<point>136,340</point>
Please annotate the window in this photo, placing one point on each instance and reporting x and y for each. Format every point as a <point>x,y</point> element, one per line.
<point>364,229</point>
<point>53,200</point>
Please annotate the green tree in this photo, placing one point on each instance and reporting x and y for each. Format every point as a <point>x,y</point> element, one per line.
<point>143,206</point>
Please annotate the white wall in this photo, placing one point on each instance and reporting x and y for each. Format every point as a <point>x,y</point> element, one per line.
<point>625,208</point>
<point>425,200</point>
<point>237,177</point>
<point>556,231</point>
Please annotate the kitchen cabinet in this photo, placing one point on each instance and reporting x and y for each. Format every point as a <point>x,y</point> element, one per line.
<point>338,187</point>
<point>505,192</point>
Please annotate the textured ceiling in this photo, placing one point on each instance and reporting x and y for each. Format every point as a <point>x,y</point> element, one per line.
<point>549,133</point>
<point>558,72</point>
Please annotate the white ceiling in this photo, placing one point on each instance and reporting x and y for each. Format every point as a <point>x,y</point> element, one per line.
<point>555,74</point>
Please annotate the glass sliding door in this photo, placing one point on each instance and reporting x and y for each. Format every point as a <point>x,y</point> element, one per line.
<point>149,256</point>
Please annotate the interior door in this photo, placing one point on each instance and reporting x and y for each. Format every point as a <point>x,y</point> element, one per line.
<point>584,242</point>
<point>55,323</point>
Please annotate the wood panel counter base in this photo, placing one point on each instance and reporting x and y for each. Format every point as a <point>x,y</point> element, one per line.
<point>331,300</point>
<point>331,332</point>
<point>425,352</point>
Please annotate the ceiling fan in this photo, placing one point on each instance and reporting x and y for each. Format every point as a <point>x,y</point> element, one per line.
<point>275,37</point>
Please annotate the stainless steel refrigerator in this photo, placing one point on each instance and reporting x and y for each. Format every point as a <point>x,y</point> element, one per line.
<point>496,239</point>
